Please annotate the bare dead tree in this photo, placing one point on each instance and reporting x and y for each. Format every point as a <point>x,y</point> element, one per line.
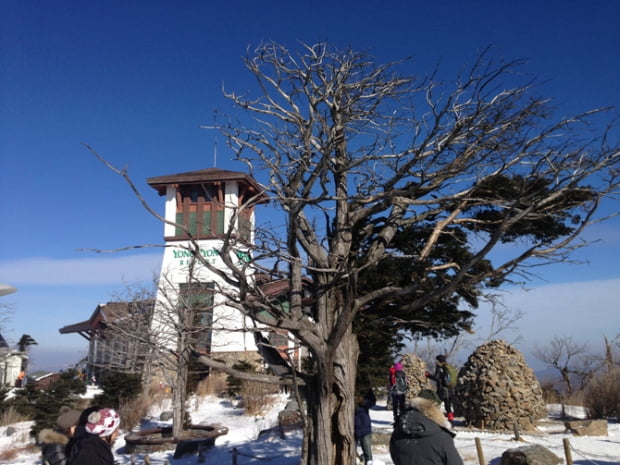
<point>354,150</point>
<point>350,152</point>
<point>503,320</point>
<point>568,357</point>
<point>611,352</point>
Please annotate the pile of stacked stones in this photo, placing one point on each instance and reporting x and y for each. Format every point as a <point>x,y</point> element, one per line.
<point>497,390</point>
<point>414,367</point>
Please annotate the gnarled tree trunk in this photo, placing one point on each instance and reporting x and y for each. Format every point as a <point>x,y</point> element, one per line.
<point>331,406</point>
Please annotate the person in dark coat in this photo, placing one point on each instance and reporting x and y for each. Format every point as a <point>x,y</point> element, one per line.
<point>54,441</point>
<point>80,430</point>
<point>397,394</point>
<point>363,426</point>
<point>93,444</point>
<point>444,386</point>
<point>422,435</point>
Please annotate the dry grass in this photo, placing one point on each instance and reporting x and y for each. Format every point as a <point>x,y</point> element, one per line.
<point>11,416</point>
<point>576,398</point>
<point>212,385</point>
<point>9,455</point>
<point>602,396</point>
<point>134,410</point>
<point>257,397</point>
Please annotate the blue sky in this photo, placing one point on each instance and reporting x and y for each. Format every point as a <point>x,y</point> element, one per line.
<point>136,80</point>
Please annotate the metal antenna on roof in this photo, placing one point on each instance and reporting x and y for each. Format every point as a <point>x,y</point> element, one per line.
<point>215,153</point>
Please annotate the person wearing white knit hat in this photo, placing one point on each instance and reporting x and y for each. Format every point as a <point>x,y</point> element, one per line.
<point>95,446</point>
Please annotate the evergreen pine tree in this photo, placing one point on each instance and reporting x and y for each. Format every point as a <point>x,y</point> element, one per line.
<point>117,388</point>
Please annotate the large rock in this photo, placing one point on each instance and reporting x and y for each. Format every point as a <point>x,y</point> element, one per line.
<point>497,390</point>
<point>587,427</point>
<point>530,455</point>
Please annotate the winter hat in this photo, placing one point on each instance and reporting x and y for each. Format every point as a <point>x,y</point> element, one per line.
<point>67,417</point>
<point>398,366</point>
<point>430,395</point>
<point>441,358</point>
<point>103,422</point>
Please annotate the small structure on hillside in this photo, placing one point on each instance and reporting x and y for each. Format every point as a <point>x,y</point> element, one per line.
<point>13,363</point>
<point>497,390</point>
<point>42,379</point>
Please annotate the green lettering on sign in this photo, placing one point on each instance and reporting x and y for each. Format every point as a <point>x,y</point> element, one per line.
<point>184,256</point>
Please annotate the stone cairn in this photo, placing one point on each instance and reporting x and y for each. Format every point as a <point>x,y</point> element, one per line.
<point>497,390</point>
<point>414,367</point>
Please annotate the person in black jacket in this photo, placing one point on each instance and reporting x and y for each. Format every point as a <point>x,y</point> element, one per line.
<point>363,426</point>
<point>444,386</point>
<point>423,436</point>
<point>54,441</point>
<point>93,442</point>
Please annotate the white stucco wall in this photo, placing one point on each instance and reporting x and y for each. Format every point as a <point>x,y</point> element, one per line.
<point>175,271</point>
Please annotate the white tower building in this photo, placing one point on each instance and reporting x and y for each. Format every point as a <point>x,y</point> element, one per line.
<point>201,208</point>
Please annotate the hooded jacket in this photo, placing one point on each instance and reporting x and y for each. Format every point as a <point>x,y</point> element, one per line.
<point>422,436</point>
<point>90,449</point>
<point>363,424</point>
<point>52,445</point>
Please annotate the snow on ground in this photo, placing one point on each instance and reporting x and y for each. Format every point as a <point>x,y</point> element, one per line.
<point>270,449</point>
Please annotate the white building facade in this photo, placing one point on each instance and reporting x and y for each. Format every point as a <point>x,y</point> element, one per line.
<point>202,208</point>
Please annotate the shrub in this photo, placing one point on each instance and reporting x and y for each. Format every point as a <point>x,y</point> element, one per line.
<point>118,388</point>
<point>23,401</point>
<point>602,396</point>
<point>63,391</point>
<point>234,384</point>
<point>43,405</point>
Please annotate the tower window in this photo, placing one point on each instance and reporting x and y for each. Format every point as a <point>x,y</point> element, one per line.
<point>200,211</point>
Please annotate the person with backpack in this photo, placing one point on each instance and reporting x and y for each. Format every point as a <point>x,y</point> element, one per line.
<point>398,391</point>
<point>391,379</point>
<point>423,436</point>
<point>444,383</point>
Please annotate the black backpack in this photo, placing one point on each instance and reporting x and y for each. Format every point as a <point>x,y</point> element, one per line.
<point>400,385</point>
